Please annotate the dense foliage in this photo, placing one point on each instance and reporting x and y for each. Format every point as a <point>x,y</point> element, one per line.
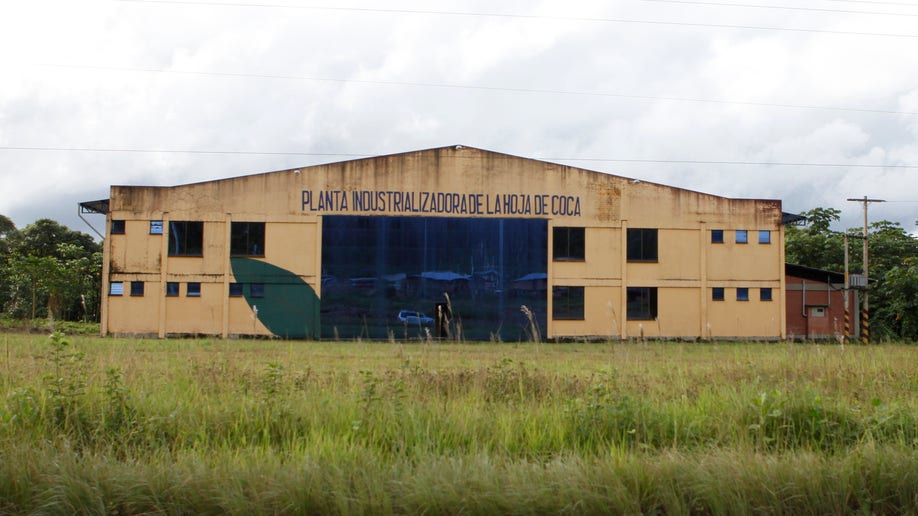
<point>49,271</point>
<point>893,262</point>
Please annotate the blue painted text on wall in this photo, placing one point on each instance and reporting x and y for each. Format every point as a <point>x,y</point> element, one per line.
<point>389,201</point>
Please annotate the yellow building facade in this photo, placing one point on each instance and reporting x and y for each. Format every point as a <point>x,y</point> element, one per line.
<point>364,248</point>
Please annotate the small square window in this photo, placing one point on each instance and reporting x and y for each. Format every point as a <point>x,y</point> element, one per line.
<point>765,294</point>
<point>172,289</point>
<point>765,237</point>
<point>235,289</point>
<point>116,288</point>
<point>742,236</point>
<point>257,290</point>
<point>717,236</point>
<point>742,294</point>
<point>156,227</point>
<point>137,288</point>
<point>717,293</point>
<point>117,227</point>
<point>194,289</point>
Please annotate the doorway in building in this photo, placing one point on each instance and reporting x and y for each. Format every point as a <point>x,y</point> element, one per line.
<point>384,277</point>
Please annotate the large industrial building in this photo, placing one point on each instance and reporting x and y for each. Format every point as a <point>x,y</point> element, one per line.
<point>453,241</point>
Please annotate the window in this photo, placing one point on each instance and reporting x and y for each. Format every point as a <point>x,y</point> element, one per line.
<point>742,236</point>
<point>567,303</point>
<point>194,289</point>
<point>742,294</point>
<point>117,227</point>
<point>156,227</point>
<point>137,288</point>
<point>257,290</point>
<point>765,294</point>
<point>186,238</point>
<point>247,239</point>
<point>717,236</point>
<point>642,303</point>
<point>642,245</point>
<point>765,237</point>
<point>717,293</point>
<point>116,288</point>
<point>569,244</point>
<point>235,289</point>
<point>172,288</point>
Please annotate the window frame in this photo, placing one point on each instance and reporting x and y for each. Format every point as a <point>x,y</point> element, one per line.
<point>742,293</point>
<point>170,285</point>
<point>718,290</point>
<point>256,290</point>
<point>562,309</point>
<point>236,289</point>
<point>116,288</point>
<point>137,289</point>
<point>117,227</point>
<point>242,239</point>
<point>193,289</point>
<point>652,312</point>
<point>745,236</point>
<point>567,239</point>
<point>648,242</point>
<point>717,236</point>
<point>766,297</point>
<point>767,234</point>
<point>187,241</point>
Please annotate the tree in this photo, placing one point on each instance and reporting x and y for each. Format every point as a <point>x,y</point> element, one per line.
<point>49,270</point>
<point>815,244</point>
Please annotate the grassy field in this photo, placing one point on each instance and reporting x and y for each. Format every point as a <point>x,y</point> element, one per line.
<point>120,426</point>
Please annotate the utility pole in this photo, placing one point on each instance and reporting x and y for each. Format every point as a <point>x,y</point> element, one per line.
<point>865,317</point>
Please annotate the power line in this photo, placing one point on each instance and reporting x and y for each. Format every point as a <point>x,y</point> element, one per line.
<point>777,7</point>
<point>522,16</point>
<point>356,155</point>
<point>479,88</point>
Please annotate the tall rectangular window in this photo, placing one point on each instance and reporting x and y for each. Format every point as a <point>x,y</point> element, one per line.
<point>186,238</point>
<point>247,239</point>
<point>194,289</point>
<point>569,244</point>
<point>742,294</point>
<point>742,236</point>
<point>765,294</point>
<point>642,303</point>
<point>117,227</point>
<point>642,245</point>
<point>717,294</point>
<point>765,237</point>
<point>717,236</point>
<point>567,303</point>
<point>137,288</point>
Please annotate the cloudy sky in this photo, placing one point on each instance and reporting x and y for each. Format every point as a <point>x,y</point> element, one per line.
<point>808,101</point>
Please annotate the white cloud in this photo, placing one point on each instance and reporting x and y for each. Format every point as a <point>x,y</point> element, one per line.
<point>51,106</point>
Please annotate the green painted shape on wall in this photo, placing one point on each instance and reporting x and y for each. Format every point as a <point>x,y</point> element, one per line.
<point>289,308</point>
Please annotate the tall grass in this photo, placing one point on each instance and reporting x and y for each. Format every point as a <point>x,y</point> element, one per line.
<point>107,425</point>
